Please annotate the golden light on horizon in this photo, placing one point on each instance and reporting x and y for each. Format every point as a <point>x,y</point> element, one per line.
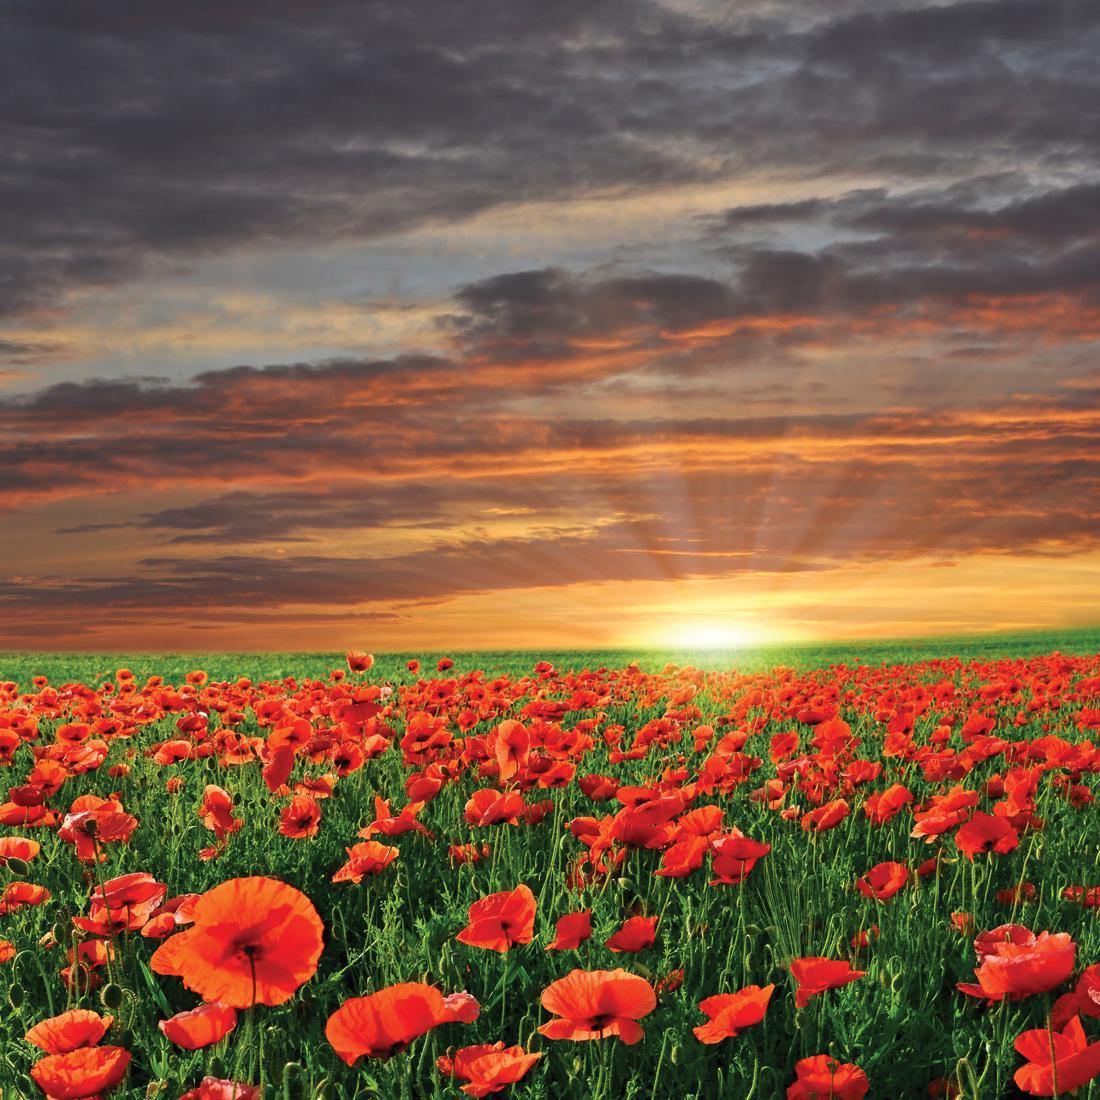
<point>717,633</point>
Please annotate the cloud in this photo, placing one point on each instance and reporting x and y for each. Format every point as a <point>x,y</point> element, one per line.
<point>187,133</point>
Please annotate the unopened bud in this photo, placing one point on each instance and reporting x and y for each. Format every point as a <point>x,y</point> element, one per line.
<point>17,866</point>
<point>111,996</point>
<point>15,995</point>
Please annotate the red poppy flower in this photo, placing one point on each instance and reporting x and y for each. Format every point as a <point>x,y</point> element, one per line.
<point>814,975</point>
<point>1058,1062</point>
<point>7,951</point>
<point>730,1013</point>
<point>216,811</point>
<point>824,1078</point>
<point>489,807</point>
<point>461,1007</point>
<point>596,1004</point>
<point>21,895</point>
<point>200,1027</point>
<point>253,941</point>
<point>366,858</point>
<point>511,746</point>
<point>883,880</point>
<point>886,805</point>
<point>358,661</point>
<point>384,1023</point>
<point>986,833</point>
<point>500,920</point>
<point>79,1027</point>
<point>1021,964</point>
<point>18,847</point>
<point>81,1073</point>
<point>734,856</point>
<point>825,817</point>
<point>301,818</point>
<point>571,931</point>
<point>488,1067</point>
<point>636,935</point>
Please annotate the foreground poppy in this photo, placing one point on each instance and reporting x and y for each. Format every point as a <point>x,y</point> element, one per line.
<point>595,1004</point>
<point>384,1023</point>
<point>824,1078</point>
<point>730,1013</point>
<point>488,1067</point>
<point>501,920</point>
<point>81,1073</point>
<point>1058,1062</point>
<point>253,941</point>
<point>814,975</point>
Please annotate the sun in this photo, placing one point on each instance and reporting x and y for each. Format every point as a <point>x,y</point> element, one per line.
<point>716,635</point>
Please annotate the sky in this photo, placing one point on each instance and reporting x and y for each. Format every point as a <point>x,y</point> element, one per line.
<point>546,323</point>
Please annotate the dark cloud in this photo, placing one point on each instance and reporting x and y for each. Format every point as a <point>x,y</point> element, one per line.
<point>139,140</point>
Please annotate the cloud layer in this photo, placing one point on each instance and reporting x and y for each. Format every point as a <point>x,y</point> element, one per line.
<point>585,297</point>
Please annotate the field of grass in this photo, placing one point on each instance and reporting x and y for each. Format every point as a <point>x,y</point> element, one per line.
<point>1007,723</point>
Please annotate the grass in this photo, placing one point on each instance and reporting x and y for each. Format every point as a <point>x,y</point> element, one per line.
<point>904,1024</point>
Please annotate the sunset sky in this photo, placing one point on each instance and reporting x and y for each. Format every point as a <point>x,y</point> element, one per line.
<point>527,323</point>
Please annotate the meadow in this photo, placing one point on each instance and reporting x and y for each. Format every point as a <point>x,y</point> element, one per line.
<point>356,870</point>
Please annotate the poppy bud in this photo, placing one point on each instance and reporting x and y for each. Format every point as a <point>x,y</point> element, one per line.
<point>111,996</point>
<point>15,996</point>
<point>324,1091</point>
<point>674,1054</point>
<point>17,866</point>
<point>578,1066</point>
<point>217,1067</point>
<point>291,1075</point>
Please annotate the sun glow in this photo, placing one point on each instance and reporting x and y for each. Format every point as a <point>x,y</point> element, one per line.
<point>716,635</point>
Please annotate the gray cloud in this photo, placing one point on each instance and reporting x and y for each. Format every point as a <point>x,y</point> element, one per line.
<point>141,140</point>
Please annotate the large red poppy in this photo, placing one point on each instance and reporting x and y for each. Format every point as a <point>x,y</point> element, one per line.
<point>253,941</point>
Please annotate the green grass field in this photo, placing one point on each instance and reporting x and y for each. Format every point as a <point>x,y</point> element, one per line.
<point>173,666</point>
<point>904,1023</point>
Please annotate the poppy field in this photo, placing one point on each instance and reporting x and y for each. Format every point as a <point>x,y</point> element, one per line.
<point>575,876</point>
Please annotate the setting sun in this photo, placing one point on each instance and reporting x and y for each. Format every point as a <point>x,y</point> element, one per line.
<point>717,634</point>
